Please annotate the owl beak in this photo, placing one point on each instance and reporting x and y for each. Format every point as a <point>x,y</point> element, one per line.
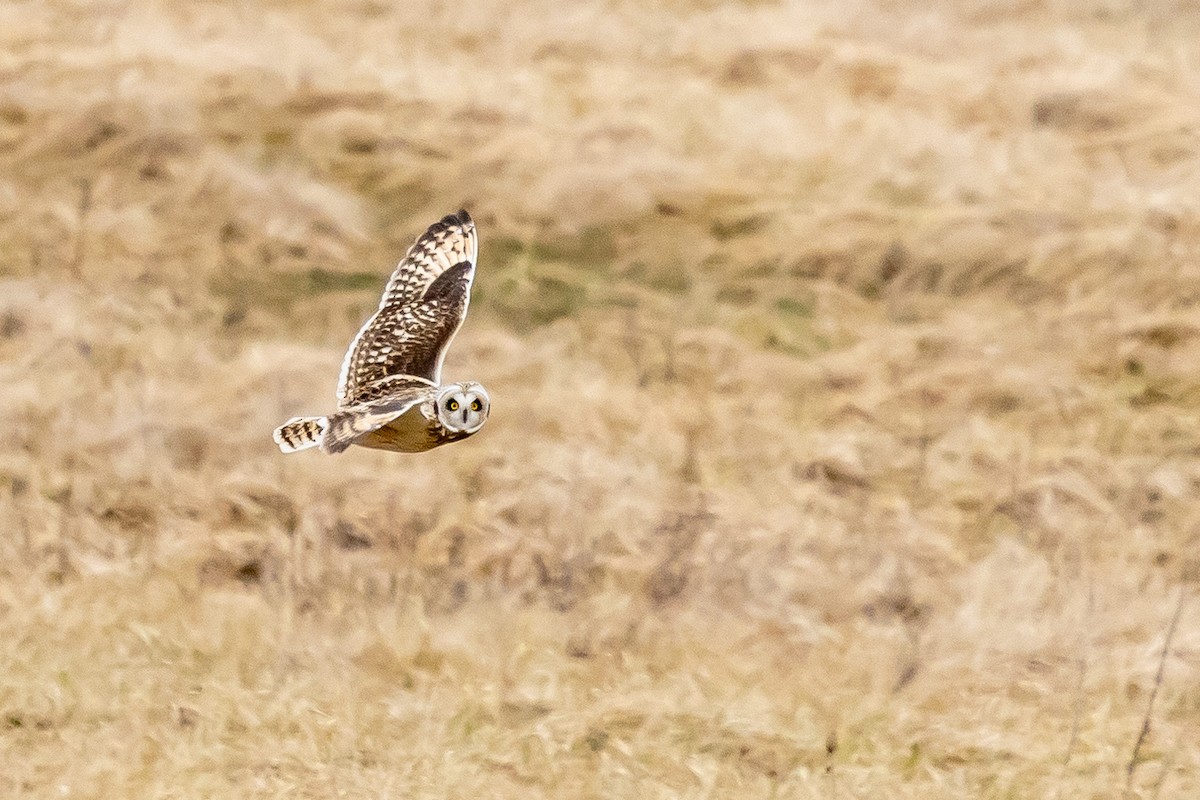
<point>464,416</point>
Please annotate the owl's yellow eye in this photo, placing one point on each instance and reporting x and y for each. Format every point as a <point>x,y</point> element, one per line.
<point>452,405</point>
<point>476,405</point>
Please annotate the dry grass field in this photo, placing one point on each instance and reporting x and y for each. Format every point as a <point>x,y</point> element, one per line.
<point>845,367</point>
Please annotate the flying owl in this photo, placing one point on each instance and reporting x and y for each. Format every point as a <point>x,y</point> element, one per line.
<point>390,395</point>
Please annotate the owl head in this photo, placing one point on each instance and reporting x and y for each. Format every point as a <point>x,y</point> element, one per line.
<point>462,407</point>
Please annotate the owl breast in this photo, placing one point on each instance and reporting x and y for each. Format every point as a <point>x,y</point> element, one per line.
<point>411,432</point>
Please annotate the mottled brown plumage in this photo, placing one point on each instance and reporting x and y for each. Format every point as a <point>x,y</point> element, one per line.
<point>422,308</point>
<point>388,394</point>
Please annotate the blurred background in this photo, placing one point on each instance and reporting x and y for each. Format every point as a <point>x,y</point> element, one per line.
<point>843,360</point>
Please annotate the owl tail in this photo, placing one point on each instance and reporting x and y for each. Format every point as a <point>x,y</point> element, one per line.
<point>300,433</point>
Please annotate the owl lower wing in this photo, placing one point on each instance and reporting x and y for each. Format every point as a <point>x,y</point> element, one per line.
<point>348,424</point>
<point>390,387</point>
<point>417,317</point>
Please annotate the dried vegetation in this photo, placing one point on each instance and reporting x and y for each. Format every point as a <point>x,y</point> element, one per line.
<point>845,435</point>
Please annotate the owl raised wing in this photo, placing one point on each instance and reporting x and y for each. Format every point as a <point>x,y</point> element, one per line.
<point>423,306</point>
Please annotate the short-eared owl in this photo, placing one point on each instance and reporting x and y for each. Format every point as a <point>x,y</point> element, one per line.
<point>390,395</point>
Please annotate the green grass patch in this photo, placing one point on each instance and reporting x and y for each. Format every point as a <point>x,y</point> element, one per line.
<point>278,290</point>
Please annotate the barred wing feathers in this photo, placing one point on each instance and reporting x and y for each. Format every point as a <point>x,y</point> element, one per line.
<point>376,406</point>
<point>423,306</point>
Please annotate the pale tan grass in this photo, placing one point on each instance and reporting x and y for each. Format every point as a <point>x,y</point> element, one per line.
<point>843,364</point>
